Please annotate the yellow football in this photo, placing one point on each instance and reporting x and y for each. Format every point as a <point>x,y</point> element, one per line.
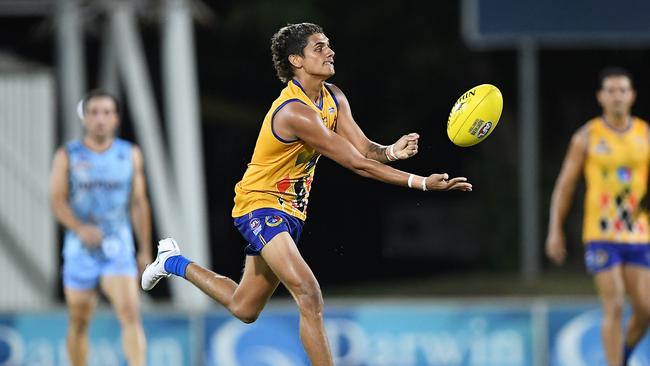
<point>475,115</point>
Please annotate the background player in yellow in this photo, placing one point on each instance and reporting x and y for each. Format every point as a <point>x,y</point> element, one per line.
<point>309,118</point>
<point>613,151</point>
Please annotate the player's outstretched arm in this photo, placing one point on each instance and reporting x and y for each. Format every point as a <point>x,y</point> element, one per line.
<point>302,122</point>
<point>563,196</point>
<point>405,147</point>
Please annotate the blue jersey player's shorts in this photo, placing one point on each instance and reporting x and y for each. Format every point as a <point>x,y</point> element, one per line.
<point>600,256</point>
<point>83,268</point>
<point>258,227</point>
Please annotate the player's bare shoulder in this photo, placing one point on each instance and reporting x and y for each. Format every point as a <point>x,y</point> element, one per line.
<point>581,135</point>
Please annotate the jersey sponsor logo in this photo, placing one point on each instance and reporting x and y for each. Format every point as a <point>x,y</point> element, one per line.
<point>99,184</point>
<point>273,221</point>
<point>256,226</point>
<point>82,165</point>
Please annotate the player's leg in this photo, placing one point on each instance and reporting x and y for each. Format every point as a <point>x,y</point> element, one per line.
<point>283,257</point>
<point>244,300</point>
<point>637,285</point>
<point>611,290</point>
<point>81,304</point>
<point>122,291</point>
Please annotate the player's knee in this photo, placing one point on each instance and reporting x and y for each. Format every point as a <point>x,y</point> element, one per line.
<point>78,323</point>
<point>128,314</point>
<point>245,315</point>
<point>614,308</point>
<point>309,298</point>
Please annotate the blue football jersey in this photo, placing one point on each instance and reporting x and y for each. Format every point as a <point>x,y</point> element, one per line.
<point>99,192</point>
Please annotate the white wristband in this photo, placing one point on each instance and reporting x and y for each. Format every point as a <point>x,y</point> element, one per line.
<point>424,184</point>
<point>390,153</point>
<point>410,181</point>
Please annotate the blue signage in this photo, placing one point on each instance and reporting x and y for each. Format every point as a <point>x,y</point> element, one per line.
<point>382,335</point>
<point>575,337</point>
<point>28,339</point>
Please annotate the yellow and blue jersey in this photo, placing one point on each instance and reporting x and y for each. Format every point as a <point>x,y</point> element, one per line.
<point>280,173</point>
<point>616,174</point>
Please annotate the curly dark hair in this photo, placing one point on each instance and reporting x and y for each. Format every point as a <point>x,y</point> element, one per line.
<point>290,40</point>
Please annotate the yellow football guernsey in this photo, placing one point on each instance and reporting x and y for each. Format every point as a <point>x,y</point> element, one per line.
<point>281,172</point>
<point>616,173</point>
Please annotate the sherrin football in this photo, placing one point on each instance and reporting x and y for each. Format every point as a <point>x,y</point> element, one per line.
<point>475,115</point>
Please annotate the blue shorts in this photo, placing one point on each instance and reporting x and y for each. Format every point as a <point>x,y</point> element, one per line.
<point>83,269</point>
<point>600,256</point>
<point>258,227</point>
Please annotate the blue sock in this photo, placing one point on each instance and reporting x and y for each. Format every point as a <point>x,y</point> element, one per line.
<point>627,351</point>
<point>177,265</point>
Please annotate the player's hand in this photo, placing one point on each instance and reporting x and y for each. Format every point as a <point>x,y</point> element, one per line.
<point>143,259</point>
<point>406,146</point>
<point>90,235</point>
<point>441,182</point>
<point>556,246</point>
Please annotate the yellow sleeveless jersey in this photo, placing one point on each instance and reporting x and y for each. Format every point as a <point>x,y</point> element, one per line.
<point>281,172</point>
<point>616,173</point>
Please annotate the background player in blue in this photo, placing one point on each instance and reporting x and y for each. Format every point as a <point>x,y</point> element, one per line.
<point>95,185</point>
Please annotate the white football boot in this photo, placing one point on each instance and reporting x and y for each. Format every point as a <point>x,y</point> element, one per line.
<point>156,270</point>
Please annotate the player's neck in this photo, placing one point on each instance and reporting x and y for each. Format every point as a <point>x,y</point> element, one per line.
<point>616,120</point>
<point>98,143</point>
<point>312,87</point>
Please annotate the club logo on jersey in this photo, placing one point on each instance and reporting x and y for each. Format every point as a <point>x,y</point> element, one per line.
<point>330,110</point>
<point>602,147</point>
<point>256,226</point>
<point>484,129</point>
<point>273,221</point>
<point>624,174</point>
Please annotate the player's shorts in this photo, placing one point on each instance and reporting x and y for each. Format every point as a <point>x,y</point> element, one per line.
<point>600,256</point>
<point>258,227</point>
<point>83,268</point>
